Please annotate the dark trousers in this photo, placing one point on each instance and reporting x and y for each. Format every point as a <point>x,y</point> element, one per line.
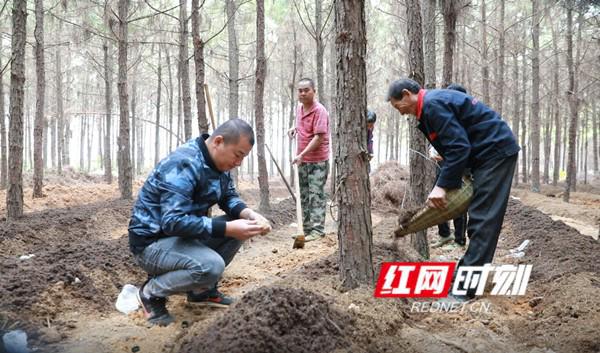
<point>491,188</point>
<point>459,229</point>
<point>459,222</point>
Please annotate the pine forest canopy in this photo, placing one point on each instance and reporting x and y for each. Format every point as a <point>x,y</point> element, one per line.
<point>495,56</point>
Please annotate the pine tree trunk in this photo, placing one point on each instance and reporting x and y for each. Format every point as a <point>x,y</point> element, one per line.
<point>14,194</point>
<point>485,69</point>
<point>124,154</point>
<point>171,92</point>
<point>82,143</point>
<point>259,91</point>
<point>3,142</point>
<point>179,105</point>
<point>199,61</point>
<point>292,118</point>
<point>107,126</point>
<point>547,144</point>
<point>535,98</point>
<point>90,138</point>
<point>429,27</point>
<point>59,112</point>
<point>556,108</point>
<point>585,147</point>
<point>501,64</point>
<point>524,153</point>
<point>450,14</point>
<point>157,127</point>
<point>573,106</point>
<point>134,127</point>
<point>355,233</point>
<point>595,137</point>
<point>234,62</point>
<point>321,91</point>
<point>516,121</point>
<point>38,168</point>
<point>185,71</point>
<point>419,183</point>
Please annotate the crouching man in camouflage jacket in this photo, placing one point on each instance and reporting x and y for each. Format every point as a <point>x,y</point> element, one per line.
<point>170,235</point>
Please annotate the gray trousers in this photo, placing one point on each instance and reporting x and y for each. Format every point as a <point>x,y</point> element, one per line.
<point>184,264</point>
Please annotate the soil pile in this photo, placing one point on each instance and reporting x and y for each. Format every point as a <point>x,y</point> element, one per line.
<point>555,249</point>
<point>388,185</point>
<point>276,319</point>
<point>282,213</point>
<point>77,265</point>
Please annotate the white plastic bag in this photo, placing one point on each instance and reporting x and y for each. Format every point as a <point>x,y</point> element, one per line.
<point>15,342</point>
<point>127,300</point>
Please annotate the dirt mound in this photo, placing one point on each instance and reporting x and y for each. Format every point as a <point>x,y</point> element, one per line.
<point>276,319</point>
<point>388,184</point>
<point>564,315</point>
<point>282,213</point>
<point>555,249</point>
<point>76,266</point>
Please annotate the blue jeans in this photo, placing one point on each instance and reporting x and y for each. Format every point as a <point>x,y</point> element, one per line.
<point>184,264</point>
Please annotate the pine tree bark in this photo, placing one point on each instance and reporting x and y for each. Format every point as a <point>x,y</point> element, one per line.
<point>535,98</point>
<point>157,123</point>
<point>501,64</point>
<point>38,168</point>
<point>3,142</point>
<point>355,234</point>
<point>429,7</point>
<point>123,156</point>
<point>524,146</point>
<point>449,8</point>
<point>134,127</point>
<point>234,62</point>
<point>199,62</point>
<point>60,133</point>
<point>516,122</point>
<point>573,105</point>
<point>292,87</point>
<point>171,100</point>
<point>185,71</point>
<point>595,137</point>
<point>485,67</point>
<point>547,143</point>
<point>420,176</point>
<point>14,195</point>
<point>108,105</point>
<point>234,70</point>
<point>555,107</point>
<point>259,92</point>
<point>321,91</point>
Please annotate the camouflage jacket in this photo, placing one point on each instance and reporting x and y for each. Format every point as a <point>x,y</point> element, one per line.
<point>177,195</point>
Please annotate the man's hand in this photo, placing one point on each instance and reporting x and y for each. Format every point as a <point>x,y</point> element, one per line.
<point>262,221</point>
<point>297,159</point>
<point>243,229</point>
<point>437,198</point>
<point>291,133</point>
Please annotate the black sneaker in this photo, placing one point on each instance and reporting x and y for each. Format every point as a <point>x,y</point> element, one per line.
<point>155,309</point>
<point>211,297</point>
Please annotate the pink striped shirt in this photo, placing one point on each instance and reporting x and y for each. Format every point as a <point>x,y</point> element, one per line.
<point>308,124</point>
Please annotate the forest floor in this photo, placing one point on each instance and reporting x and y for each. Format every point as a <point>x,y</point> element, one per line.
<point>290,300</point>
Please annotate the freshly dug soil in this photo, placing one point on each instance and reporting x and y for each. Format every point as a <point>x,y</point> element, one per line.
<point>76,262</point>
<point>388,185</point>
<point>282,213</point>
<point>555,249</point>
<point>276,319</point>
